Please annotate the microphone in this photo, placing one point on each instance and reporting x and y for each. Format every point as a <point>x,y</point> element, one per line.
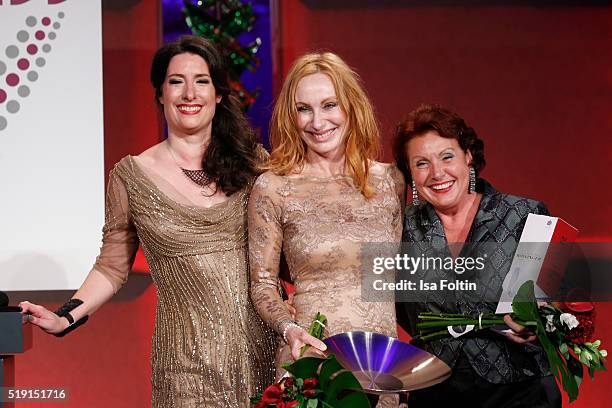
<point>4,300</point>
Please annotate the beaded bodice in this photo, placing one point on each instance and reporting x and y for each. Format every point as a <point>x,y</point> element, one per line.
<point>210,347</point>
<point>174,229</point>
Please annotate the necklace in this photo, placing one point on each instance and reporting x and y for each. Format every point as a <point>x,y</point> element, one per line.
<point>198,177</point>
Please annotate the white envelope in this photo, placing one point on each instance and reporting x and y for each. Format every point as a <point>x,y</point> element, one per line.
<point>539,232</point>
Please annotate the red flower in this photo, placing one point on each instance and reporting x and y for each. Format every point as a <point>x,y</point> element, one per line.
<point>310,392</point>
<point>288,381</point>
<point>271,395</point>
<point>282,404</point>
<point>310,383</point>
<point>585,313</point>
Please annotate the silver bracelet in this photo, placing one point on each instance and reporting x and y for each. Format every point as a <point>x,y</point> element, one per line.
<point>289,324</point>
<point>280,325</point>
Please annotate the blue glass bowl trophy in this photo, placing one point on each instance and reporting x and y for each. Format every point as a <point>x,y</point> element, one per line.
<point>385,365</point>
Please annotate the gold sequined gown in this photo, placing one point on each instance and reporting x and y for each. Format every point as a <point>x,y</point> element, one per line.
<point>210,347</point>
<point>319,223</point>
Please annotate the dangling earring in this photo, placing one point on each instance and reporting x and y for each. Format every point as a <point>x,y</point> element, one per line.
<point>415,195</point>
<point>472,185</point>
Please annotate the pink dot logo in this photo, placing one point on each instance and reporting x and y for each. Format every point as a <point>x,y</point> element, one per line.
<point>23,64</point>
<point>12,79</point>
<point>32,36</point>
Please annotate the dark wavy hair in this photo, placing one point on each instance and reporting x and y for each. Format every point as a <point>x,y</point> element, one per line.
<point>447,124</point>
<point>232,158</point>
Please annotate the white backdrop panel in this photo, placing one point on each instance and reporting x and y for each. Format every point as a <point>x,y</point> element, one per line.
<point>51,143</point>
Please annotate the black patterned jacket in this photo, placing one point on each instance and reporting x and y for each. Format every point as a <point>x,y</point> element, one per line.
<point>498,224</point>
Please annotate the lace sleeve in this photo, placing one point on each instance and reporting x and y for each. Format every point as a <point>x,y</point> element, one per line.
<point>265,244</point>
<point>119,238</point>
<point>399,184</point>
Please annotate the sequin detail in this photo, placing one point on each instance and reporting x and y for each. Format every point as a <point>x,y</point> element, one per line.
<point>210,347</point>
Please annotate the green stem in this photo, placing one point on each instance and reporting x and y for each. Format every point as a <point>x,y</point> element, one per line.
<point>315,330</point>
<point>464,322</point>
<point>429,327</point>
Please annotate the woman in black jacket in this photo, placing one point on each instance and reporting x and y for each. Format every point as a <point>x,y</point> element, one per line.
<point>453,214</point>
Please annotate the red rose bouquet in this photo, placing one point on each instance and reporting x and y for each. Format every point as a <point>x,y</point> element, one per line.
<point>563,330</point>
<point>314,382</point>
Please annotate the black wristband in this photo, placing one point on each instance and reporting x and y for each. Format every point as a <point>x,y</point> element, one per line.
<point>65,310</point>
<point>68,307</point>
<point>69,317</point>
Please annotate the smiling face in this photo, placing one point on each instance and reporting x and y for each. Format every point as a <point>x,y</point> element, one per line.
<point>320,119</point>
<point>440,169</point>
<point>188,95</point>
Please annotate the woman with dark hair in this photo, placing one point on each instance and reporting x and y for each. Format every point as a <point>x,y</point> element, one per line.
<point>184,200</point>
<point>441,157</point>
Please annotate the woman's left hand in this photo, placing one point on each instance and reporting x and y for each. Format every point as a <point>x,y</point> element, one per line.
<point>519,333</point>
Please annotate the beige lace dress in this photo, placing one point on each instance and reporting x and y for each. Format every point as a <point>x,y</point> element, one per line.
<point>319,224</point>
<point>210,348</point>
